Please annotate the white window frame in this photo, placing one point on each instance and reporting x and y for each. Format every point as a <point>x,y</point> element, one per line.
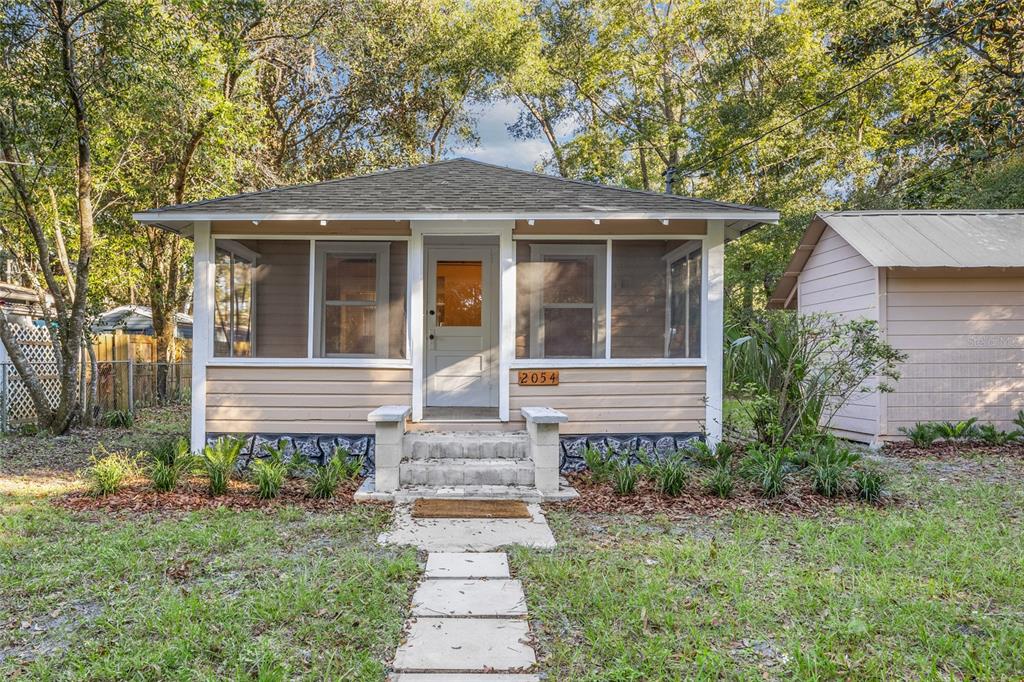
<point>599,252</point>
<point>381,252</point>
<point>671,258</point>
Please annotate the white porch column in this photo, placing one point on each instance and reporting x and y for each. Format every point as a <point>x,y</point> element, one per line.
<point>202,328</point>
<point>714,328</point>
<point>507,325</point>
<point>415,314</point>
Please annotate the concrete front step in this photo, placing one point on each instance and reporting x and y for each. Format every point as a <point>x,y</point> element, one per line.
<point>494,597</point>
<point>483,445</point>
<point>406,494</point>
<point>456,471</point>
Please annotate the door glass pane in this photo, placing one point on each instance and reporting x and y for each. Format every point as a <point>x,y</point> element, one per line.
<point>350,329</point>
<point>460,294</point>
<point>350,278</point>
<point>568,279</point>
<point>568,332</point>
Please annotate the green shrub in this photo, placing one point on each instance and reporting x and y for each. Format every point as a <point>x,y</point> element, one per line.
<point>170,461</point>
<point>118,419</point>
<point>624,478</point>
<point>671,475</point>
<point>350,466</point>
<point>790,373</point>
<point>268,475</point>
<point>598,463</point>
<point>712,457</point>
<point>869,483</point>
<point>324,480</point>
<point>105,475</point>
<point>922,435</point>
<point>764,466</point>
<point>1019,420</point>
<point>957,431</point>
<point>990,435</point>
<point>720,483</point>
<point>829,464</point>
<point>219,462</point>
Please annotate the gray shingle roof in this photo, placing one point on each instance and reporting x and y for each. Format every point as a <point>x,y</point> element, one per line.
<point>453,186</point>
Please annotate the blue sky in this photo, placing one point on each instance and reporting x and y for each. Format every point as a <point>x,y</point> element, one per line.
<point>497,146</point>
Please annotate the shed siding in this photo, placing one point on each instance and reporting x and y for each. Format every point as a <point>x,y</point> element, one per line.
<point>619,399</point>
<point>839,281</point>
<point>963,332</point>
<point>331,400</point>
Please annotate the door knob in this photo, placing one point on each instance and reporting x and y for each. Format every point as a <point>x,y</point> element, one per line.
<point>431,337</point>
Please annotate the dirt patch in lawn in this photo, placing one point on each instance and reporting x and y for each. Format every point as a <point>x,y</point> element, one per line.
<point>799,499</point>
<point>953,450</point>
<point>139,497</point>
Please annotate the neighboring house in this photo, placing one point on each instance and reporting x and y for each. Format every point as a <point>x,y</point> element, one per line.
<point>19,301</point>
<point>946,287</point>
<point>458,289</point>
<point>138,319</point>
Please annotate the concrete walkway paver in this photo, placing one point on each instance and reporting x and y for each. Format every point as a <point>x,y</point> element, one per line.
<point>474,597</point>
<point>468,615</point>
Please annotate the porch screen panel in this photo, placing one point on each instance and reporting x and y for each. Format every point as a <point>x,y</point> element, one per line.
<point>560,299</point>
<point>270,315</point>
<point>656,294</point>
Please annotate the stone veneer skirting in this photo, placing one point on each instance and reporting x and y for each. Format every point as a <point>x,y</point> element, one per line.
<point>318,448</point>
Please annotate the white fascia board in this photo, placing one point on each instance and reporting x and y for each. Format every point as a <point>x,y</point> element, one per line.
<point>182,216</point>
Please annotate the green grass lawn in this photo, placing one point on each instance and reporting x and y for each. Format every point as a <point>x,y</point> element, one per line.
<point>932,589</point>
<point>208,595</point>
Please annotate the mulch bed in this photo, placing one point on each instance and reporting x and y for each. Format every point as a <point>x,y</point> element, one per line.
<point>943,450</point>
<point>798,500</point>
<point>191,495</point>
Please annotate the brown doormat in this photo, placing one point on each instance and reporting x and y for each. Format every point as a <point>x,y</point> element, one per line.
<point>469,509</point>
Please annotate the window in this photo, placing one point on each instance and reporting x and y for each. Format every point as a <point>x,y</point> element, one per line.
<point>685,281</point>
<point>232,314</point>
<point>360,299</point>
<point>261,293</point>
<point>561,300</point>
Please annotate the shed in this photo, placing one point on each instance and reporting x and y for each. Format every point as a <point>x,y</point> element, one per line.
<point>138,319</point>
<point>947,289</point>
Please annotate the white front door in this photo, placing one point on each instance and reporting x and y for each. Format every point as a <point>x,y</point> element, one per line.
<point>461,319</point>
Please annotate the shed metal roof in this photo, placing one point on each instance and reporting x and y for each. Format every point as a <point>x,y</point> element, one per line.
<point>915,239</point>
<point>457,186</point>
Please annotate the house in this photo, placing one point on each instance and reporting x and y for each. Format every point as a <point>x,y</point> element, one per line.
<point>456,295</point>
<point>946,288</point>
<point>138,320</point>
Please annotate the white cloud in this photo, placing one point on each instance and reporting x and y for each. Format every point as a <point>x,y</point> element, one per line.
<point>497,146</point>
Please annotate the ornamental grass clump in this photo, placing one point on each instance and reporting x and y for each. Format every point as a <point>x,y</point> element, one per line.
<point>171,461</point>
<point>219,462</point>
<point>870,484</point>
<point>599,463</point>
<point>350,466</point>
<point>720,483</point>
<point>268,475</point>
<point>764,466</point>
<point>324,480</point>
<point>105,475</point>
<point>118,419</point>
<point>829,464</point>
<point>624,479</point>
<point>671,475</point>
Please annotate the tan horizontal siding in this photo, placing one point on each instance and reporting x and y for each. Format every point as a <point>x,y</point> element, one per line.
<point>963,333</point>
<point>620,399</point>
<point>300,400</point>
<point>838,280</point>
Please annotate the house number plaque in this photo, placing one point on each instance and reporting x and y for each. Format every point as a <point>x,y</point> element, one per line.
<point>538,377</point>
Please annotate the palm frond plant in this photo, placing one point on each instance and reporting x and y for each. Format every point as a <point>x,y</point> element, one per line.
<point>219,461</point>
<point>991,435</point>
<point>790,374</point>
<point>921,434</point>
<point>957,431</point>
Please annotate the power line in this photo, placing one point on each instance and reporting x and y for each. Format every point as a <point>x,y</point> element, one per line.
<point>911,51</point>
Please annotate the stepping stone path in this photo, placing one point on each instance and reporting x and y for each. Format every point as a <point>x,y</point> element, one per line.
<point>468,619</point>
